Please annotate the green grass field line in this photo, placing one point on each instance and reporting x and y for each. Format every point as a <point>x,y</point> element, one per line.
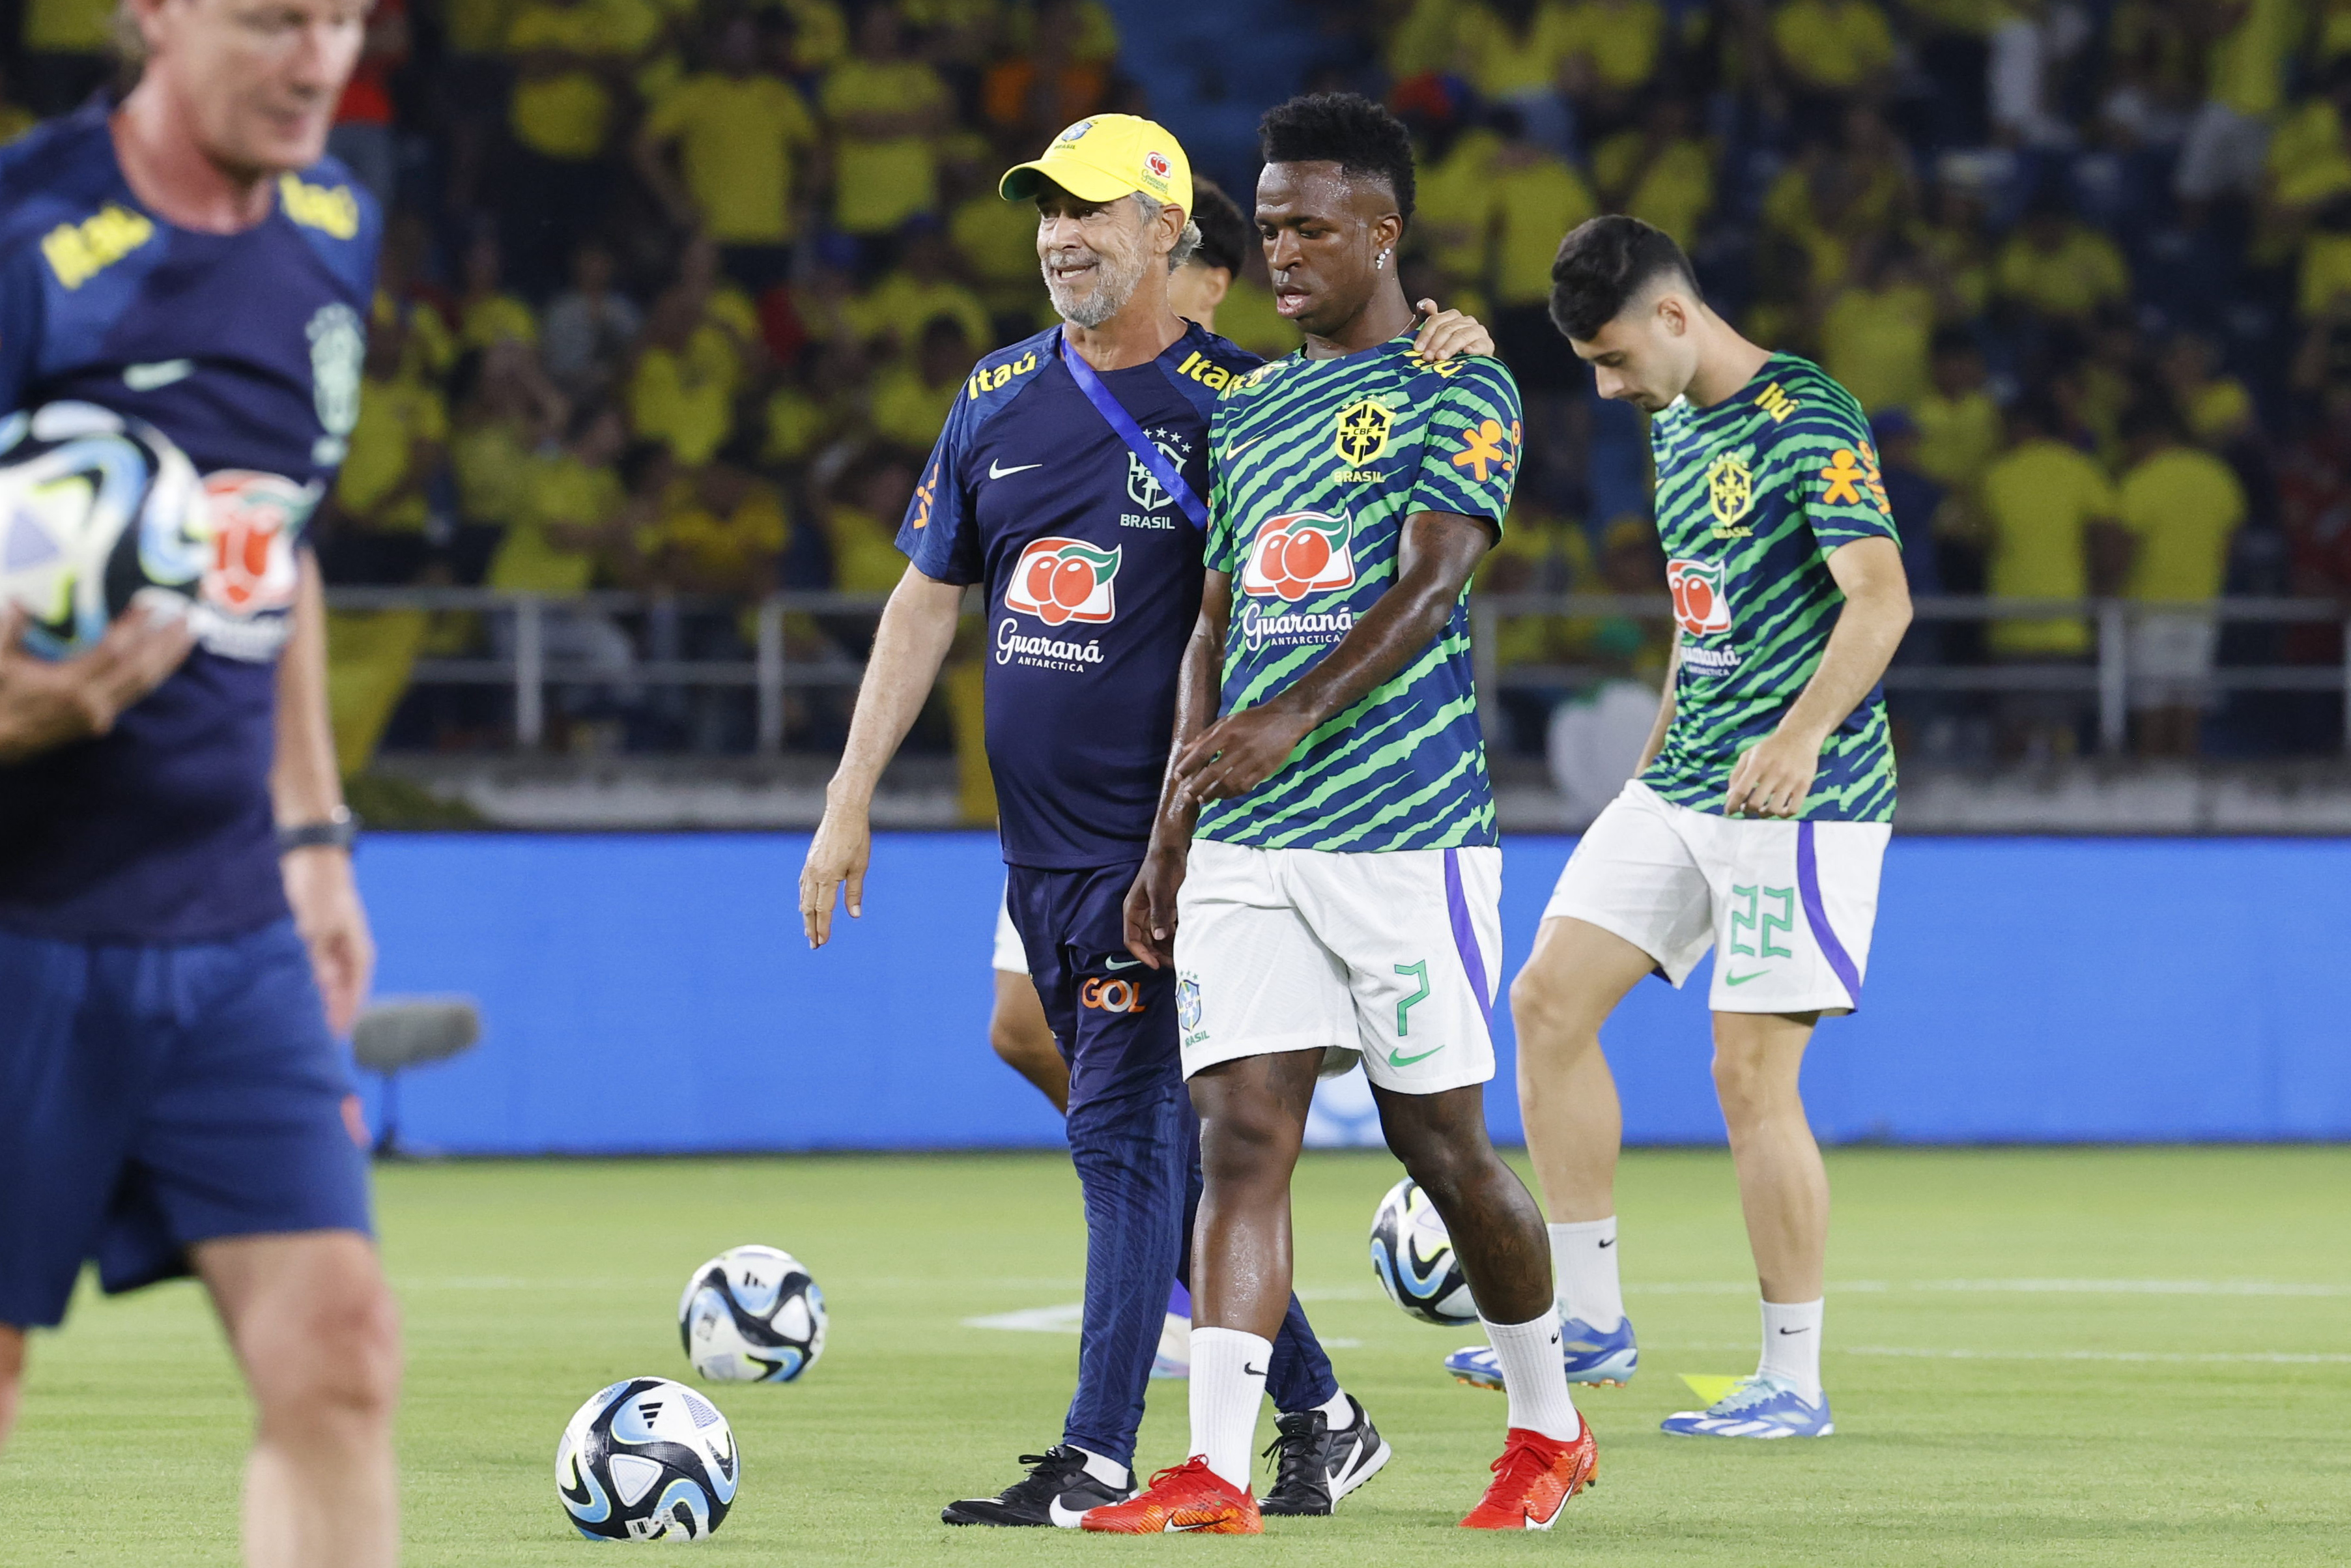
<point>2036,1356</point>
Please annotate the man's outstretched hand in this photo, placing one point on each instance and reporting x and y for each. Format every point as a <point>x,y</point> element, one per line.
<point>46,704</point>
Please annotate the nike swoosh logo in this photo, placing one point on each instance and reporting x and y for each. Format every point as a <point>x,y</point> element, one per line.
<point>161,373</point>
<point>1795,1330</point>
<point>1063,1518</point>
<point>1742,980</point>
<point>1397,1061</point>
<point>998,470</point>
<point>1120,964</point>
<point>1253,1371</point>
<point>1610,1242</point>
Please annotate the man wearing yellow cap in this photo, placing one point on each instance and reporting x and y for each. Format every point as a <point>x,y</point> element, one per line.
<point>1068,481</point>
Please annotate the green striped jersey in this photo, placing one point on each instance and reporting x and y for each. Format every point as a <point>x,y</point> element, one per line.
<point>1753,495</point>
<point>1315,464</point>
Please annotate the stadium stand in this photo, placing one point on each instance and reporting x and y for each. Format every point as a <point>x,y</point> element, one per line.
<point>675,295</point>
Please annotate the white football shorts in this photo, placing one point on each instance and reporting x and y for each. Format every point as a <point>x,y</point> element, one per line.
<point>1788,906</point>
<point>1392,956</point>
<point>1010,952</point>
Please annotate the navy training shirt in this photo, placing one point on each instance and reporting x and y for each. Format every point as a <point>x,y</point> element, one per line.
<point>1093,575</point>
<point>246,350</point>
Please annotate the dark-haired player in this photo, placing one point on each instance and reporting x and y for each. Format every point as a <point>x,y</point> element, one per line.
<point>177,895</point>
<point>1759,817</point>
<point>1340,897</point>
<point>1084,537</point>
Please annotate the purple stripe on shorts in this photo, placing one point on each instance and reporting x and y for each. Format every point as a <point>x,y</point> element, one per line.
<point>1807,881</point>
<point>1465,936</point>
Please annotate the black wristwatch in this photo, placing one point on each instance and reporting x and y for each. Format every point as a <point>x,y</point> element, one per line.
<point>338,832</point>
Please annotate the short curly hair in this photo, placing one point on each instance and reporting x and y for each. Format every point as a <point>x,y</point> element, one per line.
<point>1342,128</point>
<point>1603,265</point>
<point>1226,236</point>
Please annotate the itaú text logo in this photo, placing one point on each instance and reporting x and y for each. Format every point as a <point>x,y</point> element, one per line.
<point>1111,996</point>
<point>1059,579</point>
<point>1297,554</point>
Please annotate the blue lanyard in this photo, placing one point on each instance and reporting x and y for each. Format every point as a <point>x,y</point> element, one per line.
<point>1147,451</point>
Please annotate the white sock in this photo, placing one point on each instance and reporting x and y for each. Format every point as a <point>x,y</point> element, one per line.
<point>1535,1377</point>
<point>1791,1346</point>
<point>1110,1472</point>
<point>1583,1264</point>
<point>1227,1383</point>
<point>1340,1413</point>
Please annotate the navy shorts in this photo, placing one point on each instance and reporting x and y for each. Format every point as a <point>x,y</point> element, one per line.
<point>1112,1015</point>
<point>154,1097</point>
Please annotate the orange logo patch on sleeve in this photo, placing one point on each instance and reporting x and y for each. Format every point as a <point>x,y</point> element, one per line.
<point>1844,478</point>
<point>1482,445</point>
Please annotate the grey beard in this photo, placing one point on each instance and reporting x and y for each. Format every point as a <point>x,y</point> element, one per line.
<point>1111,290</point>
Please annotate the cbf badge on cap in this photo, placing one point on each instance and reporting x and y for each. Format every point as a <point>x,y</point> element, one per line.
<point>1104,157</point>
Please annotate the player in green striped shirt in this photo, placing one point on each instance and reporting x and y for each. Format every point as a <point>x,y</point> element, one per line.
<point>1758,821</point>
<point>1340,900</point>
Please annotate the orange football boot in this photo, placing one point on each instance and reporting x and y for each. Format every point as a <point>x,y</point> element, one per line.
<point>1533,1480</point>
<point>1189,1498</point>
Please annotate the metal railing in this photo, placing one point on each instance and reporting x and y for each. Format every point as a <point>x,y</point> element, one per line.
<point>2106,675</point>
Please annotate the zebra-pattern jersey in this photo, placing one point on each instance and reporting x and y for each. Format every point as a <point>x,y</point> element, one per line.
<point>1316,464</point>
<point>1753,494</point>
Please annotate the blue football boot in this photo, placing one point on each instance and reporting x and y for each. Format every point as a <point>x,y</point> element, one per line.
<point>1755,1406</point>
<point>1592,1356</point>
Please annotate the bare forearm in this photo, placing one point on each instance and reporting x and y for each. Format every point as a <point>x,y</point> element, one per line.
<point>1196,683</point>
<point>1403,623</point>
<point>909,646</point>
<point>305,783</point>
<point>1656,741</point>
<point>1859,649</point>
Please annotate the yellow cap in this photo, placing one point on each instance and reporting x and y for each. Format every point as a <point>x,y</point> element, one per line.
<point>1107,157</point>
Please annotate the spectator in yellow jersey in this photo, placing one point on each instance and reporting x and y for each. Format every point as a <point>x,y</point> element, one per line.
<point>506,410</point>
<point>1514,54</point>
<point>861,522</point>
<point>1454,217</point>
<point>2181,507</point>
<point>1876,332</point>
<point>2048,516</point>
<point>912,398</point>
<point>487,313</point>
<point>381,505</point>
<point>1833,50</point>
<point>1660,172</point>
<point>743,142</point>
<point>720,530</point>
<point>2057,266</point>
<point>2247,44</point>
<point>1609,51</point>
<point>922,285</point>
<point>2309,158</point>
<point>1959,426</point>
<point>2217,408</point>
<point>995,243</point>
<point>574,515</point>
<point>883,110</point>
<point>1538,196</point>
<point>569,56</point>
<point>682,389</point>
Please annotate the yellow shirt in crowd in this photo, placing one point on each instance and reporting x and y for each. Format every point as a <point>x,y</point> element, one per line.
<point>2039,502</point>
<point>1834,43</point>
<point>1539,202</point>
<point>1874,342</point>
<point>739,138</point>
<point>500,317</point>
<point>393,416</point>
<point>1957,436</point>
<point>865,558</point>
<point>491,462</point>
<point>2182,504</point>
<point>566,114</point>
<point>903,304</point>
<point>561,491</point>
<point>1453,206</point>
<point>1673,192</point>
<point>907,410</point>
<point>686,398</point>
<point>879,184</point>
<point>2082,272</point>
<point>1621,39</point>
<point>69,26</point>
<point>998,239</point>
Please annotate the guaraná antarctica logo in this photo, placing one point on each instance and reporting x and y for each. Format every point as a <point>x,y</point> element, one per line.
<point>1297,554</point>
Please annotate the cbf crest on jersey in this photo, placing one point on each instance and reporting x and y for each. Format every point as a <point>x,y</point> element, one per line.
<point>338,353</point>
<point>1730,492</point>
<point>1143,486</point>
<point>1360,431</point>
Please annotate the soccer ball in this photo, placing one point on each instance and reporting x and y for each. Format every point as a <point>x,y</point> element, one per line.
<point>646,1459</point>
<point>752,1316</point>
<point>1412,1255</point>
<point>96,509</point>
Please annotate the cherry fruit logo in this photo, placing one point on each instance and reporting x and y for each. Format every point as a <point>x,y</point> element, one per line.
<point>1699,603</point>
<point>1061,579</point>
<point>1297,554</point>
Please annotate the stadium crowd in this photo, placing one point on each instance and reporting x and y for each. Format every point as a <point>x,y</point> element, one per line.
<point>675,295</point>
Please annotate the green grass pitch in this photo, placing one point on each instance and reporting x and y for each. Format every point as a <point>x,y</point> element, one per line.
<point>2132,1356</point>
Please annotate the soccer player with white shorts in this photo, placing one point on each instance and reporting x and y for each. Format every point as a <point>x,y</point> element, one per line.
<point>1340,898</point>
<point>1756,824</point>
